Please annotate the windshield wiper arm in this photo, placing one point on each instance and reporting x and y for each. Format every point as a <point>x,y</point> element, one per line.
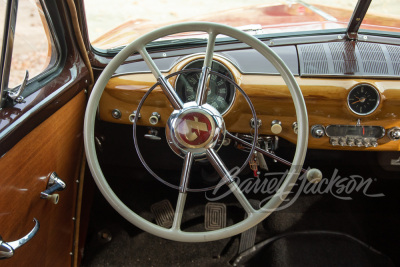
<point>357,18</point>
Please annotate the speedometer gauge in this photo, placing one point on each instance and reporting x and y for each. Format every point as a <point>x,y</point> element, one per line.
<point>363,99</point>
<point>221,92</point>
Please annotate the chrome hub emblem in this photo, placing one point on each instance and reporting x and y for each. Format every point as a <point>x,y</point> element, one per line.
<point>194,129</point>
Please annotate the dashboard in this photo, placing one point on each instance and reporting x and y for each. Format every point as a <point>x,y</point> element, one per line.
<point>352,98</point>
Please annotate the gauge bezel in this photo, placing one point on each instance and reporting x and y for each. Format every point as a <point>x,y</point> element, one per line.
<point>377,102</point>
<point>223,65</point>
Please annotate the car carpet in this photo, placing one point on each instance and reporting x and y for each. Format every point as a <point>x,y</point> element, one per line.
<point>129,246</point>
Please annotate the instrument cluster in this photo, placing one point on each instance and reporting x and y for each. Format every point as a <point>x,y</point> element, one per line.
<point>220,91</point>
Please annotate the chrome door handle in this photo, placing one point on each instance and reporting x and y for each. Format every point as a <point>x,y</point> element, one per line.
<point>7,248</point>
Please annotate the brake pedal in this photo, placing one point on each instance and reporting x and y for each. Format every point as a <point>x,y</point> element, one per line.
<point>163,213</point>
<point>215,216</point>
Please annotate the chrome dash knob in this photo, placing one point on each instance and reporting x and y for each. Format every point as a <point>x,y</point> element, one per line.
<point>317,131</point>
<point>394,133</point>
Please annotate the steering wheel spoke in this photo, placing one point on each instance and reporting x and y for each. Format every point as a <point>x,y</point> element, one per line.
<point>183,186</point>
<point>219,166</point>
<point>180,206</point>
<point>237,192</point>
<point>201,96</point>
<point>223,171</point>
<point>187,165</point>
<point>169,91</point>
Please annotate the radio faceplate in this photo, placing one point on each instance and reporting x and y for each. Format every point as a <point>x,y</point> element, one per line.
<point>351,135</point>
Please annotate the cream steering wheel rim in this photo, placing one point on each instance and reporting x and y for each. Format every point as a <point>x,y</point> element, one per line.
<point>255,216</point>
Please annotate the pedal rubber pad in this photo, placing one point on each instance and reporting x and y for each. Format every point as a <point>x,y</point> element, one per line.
<point>163,213</point>
<point>215,216</point>
<point>248,237</point>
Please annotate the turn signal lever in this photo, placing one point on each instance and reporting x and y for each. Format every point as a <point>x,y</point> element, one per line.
<point>7,249</point>
<point>54,184</point>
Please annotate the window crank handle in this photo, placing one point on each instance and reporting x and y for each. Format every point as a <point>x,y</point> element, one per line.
<point>55,184</point>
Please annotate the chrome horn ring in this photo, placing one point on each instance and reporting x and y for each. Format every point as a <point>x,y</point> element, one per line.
<point>181,151</point>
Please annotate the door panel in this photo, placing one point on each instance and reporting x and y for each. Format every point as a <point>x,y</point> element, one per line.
<point>24,174</point>
<point>41,135</point>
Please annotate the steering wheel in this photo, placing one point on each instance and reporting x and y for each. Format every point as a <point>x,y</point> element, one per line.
<point>204,143</point>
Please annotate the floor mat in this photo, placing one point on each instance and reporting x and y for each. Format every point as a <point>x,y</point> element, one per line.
<point>313,248</point>
<point>372,220</point>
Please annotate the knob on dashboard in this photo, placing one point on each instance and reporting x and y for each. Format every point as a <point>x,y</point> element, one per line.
<point>358,142</point>
<point>276,127</point>
<point>342,141</point>
<point>154,118</point>
<point>317,131</point>
<point>314,176</point>
<point>334,141</point>
<point>350,142</point>
<point>374,143</point>
<point>394,133</point>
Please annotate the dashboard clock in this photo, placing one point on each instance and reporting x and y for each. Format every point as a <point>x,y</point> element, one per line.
<point>363,99</point>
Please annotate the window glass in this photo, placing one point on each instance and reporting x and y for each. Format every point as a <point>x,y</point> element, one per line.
<point>2,15</point>
<point>127,20</point>
<point>383,15</point>
<point>31,50</point>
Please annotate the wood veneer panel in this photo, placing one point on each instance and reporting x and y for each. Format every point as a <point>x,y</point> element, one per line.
<point>325,100</point>
<point>55,145</point>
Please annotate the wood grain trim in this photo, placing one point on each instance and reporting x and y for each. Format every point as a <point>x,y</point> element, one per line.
<point>55,145</point>
<point>326,101</point>
<point>78,211</point>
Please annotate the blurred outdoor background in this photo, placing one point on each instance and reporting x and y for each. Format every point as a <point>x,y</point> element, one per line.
<point>31,45</point>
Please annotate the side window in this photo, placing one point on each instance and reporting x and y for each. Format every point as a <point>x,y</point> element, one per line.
<point>31,42</point>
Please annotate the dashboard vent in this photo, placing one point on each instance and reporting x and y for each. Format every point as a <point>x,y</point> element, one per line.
<point>394,53</point>
<point>349,59</point>
<point>314,58</point>
<point>344,58</point>
<point>373,59</point>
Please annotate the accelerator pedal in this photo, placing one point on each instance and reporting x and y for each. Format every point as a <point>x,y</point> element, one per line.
<point>163,213</point>
<point>248,238</point>
<point>215,216</point>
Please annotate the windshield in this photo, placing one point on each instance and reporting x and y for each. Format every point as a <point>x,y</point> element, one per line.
<point>127,20</point>
<point>383,15</point>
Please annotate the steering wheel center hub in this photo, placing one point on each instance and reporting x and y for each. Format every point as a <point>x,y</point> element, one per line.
<point>195,129</point>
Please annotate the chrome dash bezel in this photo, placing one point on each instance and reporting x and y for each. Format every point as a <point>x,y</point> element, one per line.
<point>377,102</point>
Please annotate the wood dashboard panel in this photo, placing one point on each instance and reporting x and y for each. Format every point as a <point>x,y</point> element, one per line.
<point>325,99</point>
